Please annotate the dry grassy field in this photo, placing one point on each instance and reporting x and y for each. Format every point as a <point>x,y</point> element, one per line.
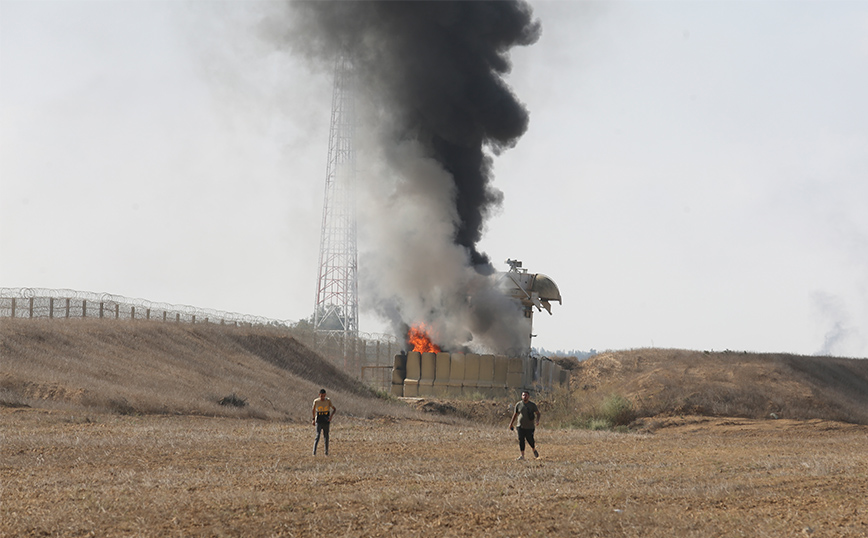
<point>115,429</point>
<point>110,475</point>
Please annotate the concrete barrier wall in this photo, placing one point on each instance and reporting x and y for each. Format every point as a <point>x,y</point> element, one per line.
<point>471,373</point>
<point>444,374</point>
<point>429,368</point>
<point>546,377</point>
<point>399,374</point>
<point>531,373</point>
<point>442,367</point>
<point>414,372</point>
<point>486,374</point>
<point>501,364</point>
<point>456,374</point>
<point>514,372</point>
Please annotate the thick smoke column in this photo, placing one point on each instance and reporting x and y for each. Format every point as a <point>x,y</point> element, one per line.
<point>430,79</point>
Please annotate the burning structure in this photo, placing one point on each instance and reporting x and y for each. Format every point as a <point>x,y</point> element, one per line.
<point>428,370</point>
<point>521,293</point>
<point>433,109</point>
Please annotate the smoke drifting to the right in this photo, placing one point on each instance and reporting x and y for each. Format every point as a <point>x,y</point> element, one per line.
<point>434,109</point>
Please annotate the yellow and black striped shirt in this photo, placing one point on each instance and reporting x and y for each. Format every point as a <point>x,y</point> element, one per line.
<point>323,409</point>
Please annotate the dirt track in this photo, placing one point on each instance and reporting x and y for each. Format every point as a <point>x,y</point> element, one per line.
<point>109,475</point>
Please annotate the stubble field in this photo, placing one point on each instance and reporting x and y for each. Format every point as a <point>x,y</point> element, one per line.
<point>66,474</point>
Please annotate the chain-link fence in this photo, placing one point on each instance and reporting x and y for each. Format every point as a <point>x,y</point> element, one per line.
<point>366,356</point>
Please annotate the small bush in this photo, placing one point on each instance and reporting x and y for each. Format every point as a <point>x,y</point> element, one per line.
<point>384,395</point>
<point>596,424</point>
<point>617,410</point>
<point>233,400</point>
<point>120,406</point>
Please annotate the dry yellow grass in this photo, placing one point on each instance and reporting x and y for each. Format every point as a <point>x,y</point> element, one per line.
<point>750,385</point>
<point>123,437</point>
<point>146,367</point>
<point>110,475</point>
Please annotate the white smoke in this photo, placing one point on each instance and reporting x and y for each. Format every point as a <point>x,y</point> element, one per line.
<point>843,338</point>
<point>411,271</point>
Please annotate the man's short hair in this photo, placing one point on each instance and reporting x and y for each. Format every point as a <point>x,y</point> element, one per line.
<point>322,391</point>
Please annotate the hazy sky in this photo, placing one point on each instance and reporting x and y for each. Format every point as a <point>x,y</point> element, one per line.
<point>695,174</point>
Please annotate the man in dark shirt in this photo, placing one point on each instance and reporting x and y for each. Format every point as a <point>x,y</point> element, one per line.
<point>528,419</point>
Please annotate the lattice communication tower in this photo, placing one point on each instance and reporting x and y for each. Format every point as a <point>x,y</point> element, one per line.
<point>336,313</point>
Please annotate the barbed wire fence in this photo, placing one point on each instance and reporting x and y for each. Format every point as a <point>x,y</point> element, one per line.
<point>369,357</point>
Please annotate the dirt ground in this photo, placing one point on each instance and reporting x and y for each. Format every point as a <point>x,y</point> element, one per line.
<point>112,475</point>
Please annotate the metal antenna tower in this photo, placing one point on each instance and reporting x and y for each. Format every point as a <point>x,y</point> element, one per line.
<point>336,313</point>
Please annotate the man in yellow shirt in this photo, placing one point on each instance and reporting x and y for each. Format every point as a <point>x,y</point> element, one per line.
<point>321,416</point>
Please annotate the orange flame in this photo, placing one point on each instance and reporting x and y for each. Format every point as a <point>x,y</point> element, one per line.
<point>419,339</point>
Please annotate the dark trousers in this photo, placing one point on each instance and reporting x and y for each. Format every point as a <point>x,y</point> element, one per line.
<point>322,428</point>
<point>525,434</point>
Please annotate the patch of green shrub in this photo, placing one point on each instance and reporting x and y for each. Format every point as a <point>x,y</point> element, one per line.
<point>617,410</point>
<point>597,424</point>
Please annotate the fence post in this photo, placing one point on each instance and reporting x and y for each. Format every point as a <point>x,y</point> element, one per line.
<point>101,308</point>
<point>84,308</point>
<point>67,307</point>
<point>117,311</point>
<point>31,308</point>
<point>50,307</point>
<point>13,307</point>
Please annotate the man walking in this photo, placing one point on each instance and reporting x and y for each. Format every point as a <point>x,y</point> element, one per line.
<point>321,415</point>
<point>528,419</point>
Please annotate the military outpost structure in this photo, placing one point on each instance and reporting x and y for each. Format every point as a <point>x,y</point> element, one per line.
<point>421,374</point>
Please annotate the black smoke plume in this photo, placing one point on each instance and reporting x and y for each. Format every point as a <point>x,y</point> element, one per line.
<point>437,67</point>
<point>431,78</point>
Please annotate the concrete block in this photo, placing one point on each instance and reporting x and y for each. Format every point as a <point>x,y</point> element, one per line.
<point>456,374</point>
<point>486,374</point>
<point>429,368</point>
<point>441,373</point>
<point>501,364</point>
<point>471,373</point>
<point>414,372</point>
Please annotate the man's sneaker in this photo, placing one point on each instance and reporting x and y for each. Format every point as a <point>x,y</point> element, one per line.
<point>520,457</point>
<point>535,453</point>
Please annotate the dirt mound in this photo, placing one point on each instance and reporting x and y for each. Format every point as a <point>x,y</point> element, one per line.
<point>679,382</point>
<point>142,367</point>
<point>492,412</point>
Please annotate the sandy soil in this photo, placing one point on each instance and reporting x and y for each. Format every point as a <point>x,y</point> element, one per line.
<point>111,475</point>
